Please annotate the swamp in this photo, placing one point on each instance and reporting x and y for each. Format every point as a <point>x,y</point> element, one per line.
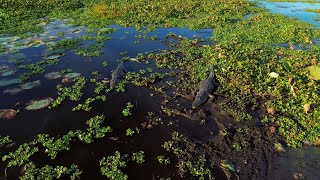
<point>169,89</point>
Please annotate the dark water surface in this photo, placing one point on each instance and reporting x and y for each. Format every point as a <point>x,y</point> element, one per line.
<point>58,121</point>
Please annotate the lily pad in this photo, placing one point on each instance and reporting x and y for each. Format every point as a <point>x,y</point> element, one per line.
<point>53,75</point>
<point>7,113</point>
<point>51,57</point>
<point>30,85</point>
<point>40,104</point>
<point>18,48</point>
<point>18,56</point>
<point>2,67</point>
<point>13,91</point>
<point>71,75</point>
<point>9,39</point>
<point>7,82</point>
<point>7,72</point>
<point>314,72</point>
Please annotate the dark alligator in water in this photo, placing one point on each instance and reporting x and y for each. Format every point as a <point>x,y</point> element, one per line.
<point>117,74</point>
<point>205,89</point>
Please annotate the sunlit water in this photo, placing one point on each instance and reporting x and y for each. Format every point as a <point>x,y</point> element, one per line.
<point>294,10</point>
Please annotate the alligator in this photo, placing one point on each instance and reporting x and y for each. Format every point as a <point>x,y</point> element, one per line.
<point>205,89</point>
<point>117,74</point>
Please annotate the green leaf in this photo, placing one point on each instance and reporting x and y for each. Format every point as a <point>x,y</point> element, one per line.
<point>314,72</point>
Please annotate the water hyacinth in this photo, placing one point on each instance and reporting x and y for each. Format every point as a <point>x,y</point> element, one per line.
<point>40,104</point>
<point>7,113</point>
<point>53,75</point>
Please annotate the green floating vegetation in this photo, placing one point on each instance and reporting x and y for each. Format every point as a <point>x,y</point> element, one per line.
<point>7,72</point>
<point>7,82</point>
<point>13,91</point>
<point>128,109</point>
<point>246,55</point>
<point>52,145</point>
<point>71,75</point>
<point>129,132</point>
<point>313,10</point>
<point>111,166</point>
<point>30,85</point>
<point>92,50</point>
<point>51,57</point>
<point>3,49</point>
<point>22,155</point>
<point>163,160</point>
<point>198,166</point>
<point>4,140</point>
<point>49,172</point>
<point>74,93</point>
<point>53,75</point>
<point>94,130</point>
<point>36,68</point>
<point>39,104</point>
<point>66,44</point>
<point>21,16</point>
<point>86,105</point>
<point>314,72</point>
<point>266,29</point>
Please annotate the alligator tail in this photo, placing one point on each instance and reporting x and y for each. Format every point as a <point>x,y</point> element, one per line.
<point>212,72</point>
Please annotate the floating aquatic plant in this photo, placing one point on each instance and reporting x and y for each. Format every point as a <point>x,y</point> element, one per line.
<point>13,91</point>
<point>7,113</point>
<point>49,172</point>
<point>7,82</point>
<point>3,67</point>
<point>71,75</point>
<point>17,56</point>
<point>39,104</point>
<point>314,72</point>
<point>128,109</point>
<point>7,72</point>
<point>53,75</point>
<point>74,93</point>
<point>51,57</point>
<point>30,85</point>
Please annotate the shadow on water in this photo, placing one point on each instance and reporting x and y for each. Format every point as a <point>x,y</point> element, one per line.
<point>58,121</point>
<point>302,163</point>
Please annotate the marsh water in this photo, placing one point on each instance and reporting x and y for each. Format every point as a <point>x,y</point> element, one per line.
<point>294,10</point>
<point>125,42</point>
<point>58,121</point>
